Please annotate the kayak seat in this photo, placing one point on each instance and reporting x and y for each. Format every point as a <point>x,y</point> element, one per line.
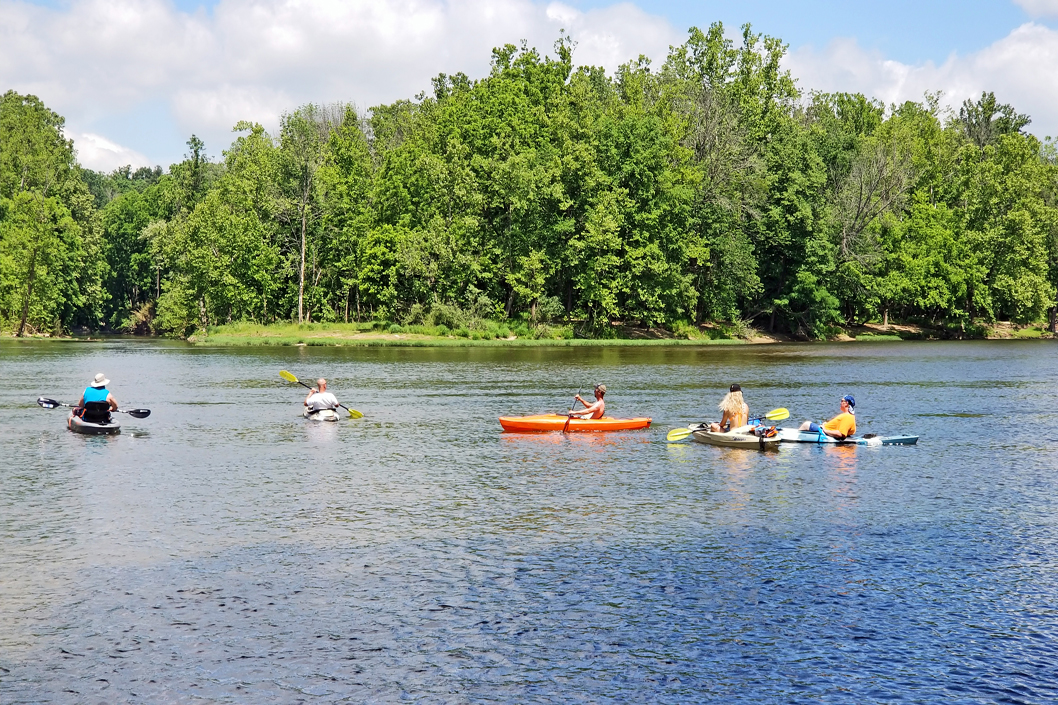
<point>96,412</point>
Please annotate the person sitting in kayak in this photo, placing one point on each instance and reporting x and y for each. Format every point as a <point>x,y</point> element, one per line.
<point>95,392</point>
<point>593,411</point>
<point>319,399</point>
<point>841,426</point>
<point>735,411</point>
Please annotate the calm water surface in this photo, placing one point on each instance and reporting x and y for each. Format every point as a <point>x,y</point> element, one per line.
<point>225,550</point>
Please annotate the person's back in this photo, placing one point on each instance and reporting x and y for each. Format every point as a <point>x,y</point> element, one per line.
<point>735,411</point>
<point>320,399</point>
<point>96,402</point>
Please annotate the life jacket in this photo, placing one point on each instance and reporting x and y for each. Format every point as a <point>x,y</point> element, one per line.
<point>95,394</point>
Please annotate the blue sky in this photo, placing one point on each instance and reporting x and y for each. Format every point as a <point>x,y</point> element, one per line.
<point>905,30</point>
<point>135,78</point>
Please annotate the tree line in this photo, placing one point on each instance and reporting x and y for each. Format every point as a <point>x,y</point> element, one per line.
<point>711,188</point>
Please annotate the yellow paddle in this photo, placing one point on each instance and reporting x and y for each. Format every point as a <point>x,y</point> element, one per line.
<point>678,434</point>
<point>353,413</point>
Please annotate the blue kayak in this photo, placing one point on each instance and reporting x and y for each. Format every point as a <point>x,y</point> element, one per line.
<point>792,435</point>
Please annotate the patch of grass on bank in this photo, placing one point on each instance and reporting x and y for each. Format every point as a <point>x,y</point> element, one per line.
<point>1028,332</point>
<point>374,334</point>
<point>877,337</point>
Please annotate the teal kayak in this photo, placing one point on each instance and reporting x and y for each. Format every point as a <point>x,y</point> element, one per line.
<point>792,435</point>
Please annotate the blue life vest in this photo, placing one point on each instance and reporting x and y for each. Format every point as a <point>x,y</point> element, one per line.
<point>95,394</point>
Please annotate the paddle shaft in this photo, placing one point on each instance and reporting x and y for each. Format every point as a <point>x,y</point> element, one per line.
<point>138,413</point>
<point>569,417</point>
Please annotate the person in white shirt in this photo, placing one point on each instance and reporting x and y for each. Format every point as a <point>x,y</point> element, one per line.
<point>319,398</point>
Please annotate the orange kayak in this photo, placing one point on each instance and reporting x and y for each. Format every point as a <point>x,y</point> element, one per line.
<point>555,422</point>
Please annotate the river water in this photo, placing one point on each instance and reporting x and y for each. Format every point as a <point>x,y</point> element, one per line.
<point>225,550</point>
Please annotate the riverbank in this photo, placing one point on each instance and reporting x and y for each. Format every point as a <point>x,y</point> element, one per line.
<point>370,335</point>
<point>353,334</point>
<point>498,335</point>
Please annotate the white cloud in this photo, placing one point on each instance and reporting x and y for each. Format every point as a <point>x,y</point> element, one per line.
<point>97,60</point>
<point>99,153</point>
<point>1039,8</point>
<point>1020,69</point>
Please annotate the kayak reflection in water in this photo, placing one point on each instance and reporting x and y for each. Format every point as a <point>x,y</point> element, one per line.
<point>319,399</point>
<point>735,411</point>
<point>593,411</point>
<point>97,395</point>
<point>841,426</point>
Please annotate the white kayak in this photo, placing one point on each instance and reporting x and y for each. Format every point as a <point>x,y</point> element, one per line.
<point>97,428</point>
<point>793,435</point>
<point>322,415</point>
<point>733,439</point>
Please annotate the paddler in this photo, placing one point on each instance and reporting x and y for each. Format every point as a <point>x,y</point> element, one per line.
<point>735,411</point>
<point>841,426</point>
<point>96,391</point>
<point>593,411</point>
<point>319,399</point>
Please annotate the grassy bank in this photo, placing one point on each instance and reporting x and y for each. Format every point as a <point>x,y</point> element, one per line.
<point>493,334</point>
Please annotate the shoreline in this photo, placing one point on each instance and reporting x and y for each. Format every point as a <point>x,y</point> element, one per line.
<point>348,335</point>
<point>341,335</point>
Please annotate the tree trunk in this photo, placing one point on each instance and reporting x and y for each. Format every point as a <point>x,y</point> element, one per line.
<point>885,317</point>
<point>29,291</point>
<point>1054,320</point>
<point>301,272</point>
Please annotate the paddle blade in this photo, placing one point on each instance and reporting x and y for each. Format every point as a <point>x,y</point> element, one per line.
<point>288,377</point>
<point>778,415</point>
<point>354,414</point>
<point>48,403</point>
<point>678,434</point>
<point>139,413</point>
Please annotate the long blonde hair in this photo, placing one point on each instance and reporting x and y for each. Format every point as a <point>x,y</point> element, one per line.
<point>733,403</point>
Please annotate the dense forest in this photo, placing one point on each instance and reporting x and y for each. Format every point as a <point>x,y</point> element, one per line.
<point>711,188</point>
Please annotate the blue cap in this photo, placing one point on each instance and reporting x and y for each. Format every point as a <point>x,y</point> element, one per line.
<point>850,400</point>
